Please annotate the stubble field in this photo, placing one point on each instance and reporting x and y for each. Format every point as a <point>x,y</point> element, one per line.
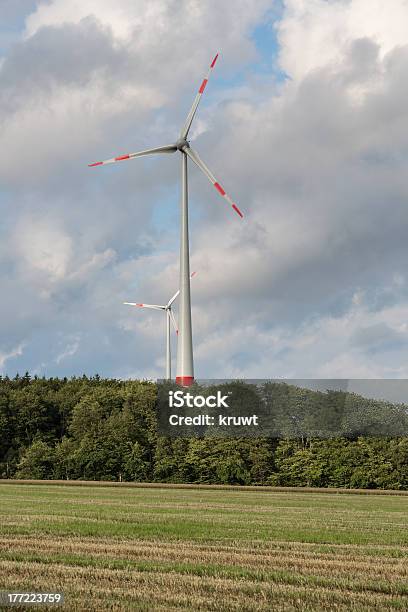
<point>120,548</point>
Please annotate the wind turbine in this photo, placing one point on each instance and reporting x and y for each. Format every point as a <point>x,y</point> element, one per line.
<point>185,367</point>
<point>167,309</point>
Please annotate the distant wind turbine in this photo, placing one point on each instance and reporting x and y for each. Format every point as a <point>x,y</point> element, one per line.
<point>185,366</point>
<point>167,309</point>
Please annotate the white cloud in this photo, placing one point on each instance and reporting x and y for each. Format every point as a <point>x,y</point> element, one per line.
<point>122,17</point>
<point>358,344</point>
<point>96,262</point>
<point>69,350</point>
<point>317,33</point>
<point>15,352</point>
<point>43,247</point>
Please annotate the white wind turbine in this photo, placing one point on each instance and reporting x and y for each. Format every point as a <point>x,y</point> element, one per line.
<point>167,309</point>
<point>185,367</point>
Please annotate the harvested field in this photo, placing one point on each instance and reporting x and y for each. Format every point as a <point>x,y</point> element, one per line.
<point>119,548</point>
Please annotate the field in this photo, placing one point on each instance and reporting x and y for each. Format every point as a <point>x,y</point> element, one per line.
<point>119,548</point>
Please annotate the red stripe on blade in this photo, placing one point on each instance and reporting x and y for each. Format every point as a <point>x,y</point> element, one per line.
<point>121,157</point>
<point>213,62</point>
<point>219,188</point>
<point>235,207</point>
<point>202,86</point>
<point>95,164</point>
<point>141,305</point>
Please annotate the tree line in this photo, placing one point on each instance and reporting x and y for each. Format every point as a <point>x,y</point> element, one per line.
<point>91,428</point>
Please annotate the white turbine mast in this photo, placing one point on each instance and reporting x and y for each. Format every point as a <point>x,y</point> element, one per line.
<point>170,318</point>
<point>185,366</point>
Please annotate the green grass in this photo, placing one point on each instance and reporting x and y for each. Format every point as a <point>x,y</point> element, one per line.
<point>171,548</point>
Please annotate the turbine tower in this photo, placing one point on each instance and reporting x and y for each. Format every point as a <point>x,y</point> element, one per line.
<point>167,309</point>
<point>185,367</point>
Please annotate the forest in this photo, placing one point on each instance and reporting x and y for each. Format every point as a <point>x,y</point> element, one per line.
<point>90,428</point>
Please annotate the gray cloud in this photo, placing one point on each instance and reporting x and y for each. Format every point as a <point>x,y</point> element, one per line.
<point>378,337</point>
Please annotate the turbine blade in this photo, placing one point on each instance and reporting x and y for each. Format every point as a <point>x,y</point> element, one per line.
<point>190,116</point>
<point>193,155</point>
<point>173,320</point>
<point>154,306</point>
<point>175,296</point>
<point>164,149</point>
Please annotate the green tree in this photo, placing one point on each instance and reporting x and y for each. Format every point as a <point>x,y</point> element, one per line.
<point>135,467</point>
<point>37,462</point>
<point>65,464</point>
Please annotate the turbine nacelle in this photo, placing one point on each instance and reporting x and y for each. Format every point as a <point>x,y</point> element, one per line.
<point>182,144</point>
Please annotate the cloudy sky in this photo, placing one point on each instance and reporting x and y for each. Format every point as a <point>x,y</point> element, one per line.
<point>305,122</point>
